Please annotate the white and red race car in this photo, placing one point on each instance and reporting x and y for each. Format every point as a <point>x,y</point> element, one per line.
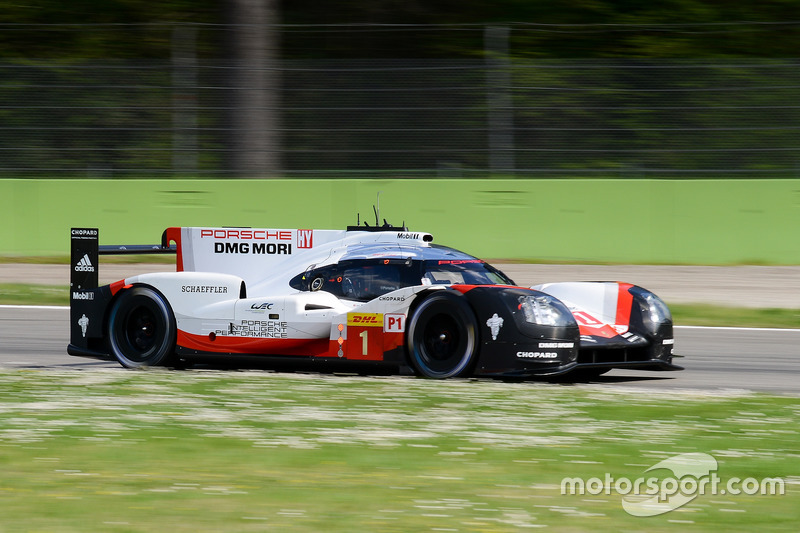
<point>378,294</point>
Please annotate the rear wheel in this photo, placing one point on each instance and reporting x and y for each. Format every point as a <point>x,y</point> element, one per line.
<point>141,328</point>
<point>442,336</point>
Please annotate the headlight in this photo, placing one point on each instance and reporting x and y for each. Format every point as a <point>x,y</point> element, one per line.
<point>545,310</point>
<point>659,312</point>
<point>654,311</point>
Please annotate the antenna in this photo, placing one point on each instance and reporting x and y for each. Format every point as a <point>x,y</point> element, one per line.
<point>377,227</point>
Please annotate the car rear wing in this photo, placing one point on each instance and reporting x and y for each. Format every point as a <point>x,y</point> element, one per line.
<point>85,251</point>
<point>84,278</point>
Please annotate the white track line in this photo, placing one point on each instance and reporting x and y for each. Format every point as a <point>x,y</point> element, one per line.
<point>723,328</point>
<point>34,307</point>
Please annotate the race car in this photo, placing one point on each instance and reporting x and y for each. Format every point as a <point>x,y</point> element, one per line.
<point>380,294</point>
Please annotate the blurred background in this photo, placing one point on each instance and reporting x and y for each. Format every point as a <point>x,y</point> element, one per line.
<point>413,88</point>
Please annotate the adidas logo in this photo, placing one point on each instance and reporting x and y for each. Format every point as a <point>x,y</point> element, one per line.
<point>84,265</point>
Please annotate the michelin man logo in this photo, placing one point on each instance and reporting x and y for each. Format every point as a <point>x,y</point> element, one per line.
<point>495,323</point>
<point>83,322</point>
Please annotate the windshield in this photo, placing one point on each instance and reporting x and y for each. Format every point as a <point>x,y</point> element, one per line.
<point>367,279</point>
<point>466,271</point>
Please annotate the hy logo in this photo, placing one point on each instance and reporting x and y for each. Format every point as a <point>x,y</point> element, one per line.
<point>305,238</point>
<point>84,265</point>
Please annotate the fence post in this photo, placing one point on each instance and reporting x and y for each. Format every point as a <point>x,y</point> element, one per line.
<point>184,100</point>
<point>499,103</point>
<point>254,86</point>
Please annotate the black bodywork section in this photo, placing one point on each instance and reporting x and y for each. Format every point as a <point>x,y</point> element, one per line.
<point>523,349</point>
<point>519,348</point>
<point>642,349</point>
<point>87,303</point>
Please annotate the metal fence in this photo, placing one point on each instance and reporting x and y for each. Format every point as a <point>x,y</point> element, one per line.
<point>171,117</point>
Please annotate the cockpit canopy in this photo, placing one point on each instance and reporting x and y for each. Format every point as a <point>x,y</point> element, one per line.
<point>366,278</point>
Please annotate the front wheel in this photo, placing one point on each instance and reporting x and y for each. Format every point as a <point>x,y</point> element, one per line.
<point>442,336</point>
<point>141,328</point>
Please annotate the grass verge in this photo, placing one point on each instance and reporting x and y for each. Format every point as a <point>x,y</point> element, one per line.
<point>196,451</point>
<point>107,259</point>
<point>28,294</point>
<point>715,315</point>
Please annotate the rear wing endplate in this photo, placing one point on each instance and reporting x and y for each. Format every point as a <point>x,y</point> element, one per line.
<point>85,251</point>
<point>83,280</point>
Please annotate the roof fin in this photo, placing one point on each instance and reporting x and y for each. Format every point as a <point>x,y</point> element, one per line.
<point>377,227</point>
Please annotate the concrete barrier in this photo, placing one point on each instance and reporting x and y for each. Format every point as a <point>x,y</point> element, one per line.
<point>575,220</point>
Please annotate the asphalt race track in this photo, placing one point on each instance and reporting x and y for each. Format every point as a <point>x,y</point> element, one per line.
<point>765,360</point>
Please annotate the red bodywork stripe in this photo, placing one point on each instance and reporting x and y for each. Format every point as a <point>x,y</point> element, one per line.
<point>592,327</point>
<point>174,235</point>
<point>604,331</point>
<point>246,345</point>
<point>463,288</point>
<point>624,304</point>
<point>352,349</point>
<point>116,286</point>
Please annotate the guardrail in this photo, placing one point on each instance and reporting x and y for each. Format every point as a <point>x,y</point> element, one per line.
<point>573,220</point>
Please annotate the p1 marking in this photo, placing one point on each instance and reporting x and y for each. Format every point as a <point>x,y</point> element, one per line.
<point>394,322</point>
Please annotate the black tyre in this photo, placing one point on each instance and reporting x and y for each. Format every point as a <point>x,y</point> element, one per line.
<point>141,329</point>
<point>442,336</point>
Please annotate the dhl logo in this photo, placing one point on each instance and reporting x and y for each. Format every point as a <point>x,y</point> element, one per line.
<point>365,319</point>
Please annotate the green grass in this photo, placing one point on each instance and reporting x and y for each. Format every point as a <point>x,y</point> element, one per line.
<point>35,259</point>
<point>27,294</point>
<point>196,451</point>
<point>65,259</point>
<point>715,315</point>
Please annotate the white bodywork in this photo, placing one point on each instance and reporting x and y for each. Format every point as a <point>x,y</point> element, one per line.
<point>214,263</point>
<point>594,304</point>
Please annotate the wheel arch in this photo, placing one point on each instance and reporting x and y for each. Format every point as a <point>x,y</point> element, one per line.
<point>118,294</point>
<point>112,306</point>
<point>458,298</point>
<point>422,295</point>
